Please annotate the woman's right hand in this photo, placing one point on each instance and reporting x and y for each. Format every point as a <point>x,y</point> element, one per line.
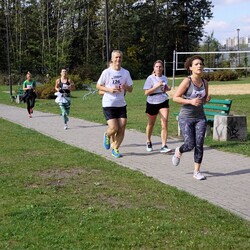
<point>114,90</point>
<point>160,83</point>
<point>196,102</point>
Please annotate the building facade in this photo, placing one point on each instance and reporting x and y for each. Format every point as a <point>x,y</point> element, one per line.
<point>232,43</point>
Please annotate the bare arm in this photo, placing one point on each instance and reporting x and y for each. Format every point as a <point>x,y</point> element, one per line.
<point>208,97</point>
<point>57,85</point>
<point>72,85</point>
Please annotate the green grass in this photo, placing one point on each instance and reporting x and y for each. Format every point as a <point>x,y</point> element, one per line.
<point>55,196</point>
<point>91,110</point>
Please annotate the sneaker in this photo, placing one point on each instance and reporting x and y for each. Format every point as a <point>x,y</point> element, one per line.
<point>31,111</point>
<point>106,141</point>
<point>176,157</point>
<point>115,153</point>
<point>30,116</point>
<point>198,176</point>
<point>149,146</point>
<point>66,127</point>
<point>165,149</point>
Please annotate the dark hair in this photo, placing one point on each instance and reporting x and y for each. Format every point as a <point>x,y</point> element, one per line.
<point>188,63</point>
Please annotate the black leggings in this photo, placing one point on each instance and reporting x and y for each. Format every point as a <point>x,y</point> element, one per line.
<point>193,131</point>
<point>30,102</point>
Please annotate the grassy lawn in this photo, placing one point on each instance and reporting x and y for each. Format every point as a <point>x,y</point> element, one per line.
<point>90,109</point>
<point>55,196</point>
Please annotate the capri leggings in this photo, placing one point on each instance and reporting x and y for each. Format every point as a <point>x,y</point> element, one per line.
<point>193,131</point>
<point>65,108</point>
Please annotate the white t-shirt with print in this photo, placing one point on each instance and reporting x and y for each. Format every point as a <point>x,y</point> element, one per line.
<point>159,95</point>
<point>111,78</point>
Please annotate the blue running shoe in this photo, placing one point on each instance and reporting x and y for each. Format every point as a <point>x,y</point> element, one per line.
<point>115,153</point>
<point>106,141</point>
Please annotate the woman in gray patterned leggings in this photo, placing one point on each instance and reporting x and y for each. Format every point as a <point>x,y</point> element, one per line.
<point>192,93</point>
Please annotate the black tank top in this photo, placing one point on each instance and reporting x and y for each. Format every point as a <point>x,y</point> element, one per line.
<point>64,86</point>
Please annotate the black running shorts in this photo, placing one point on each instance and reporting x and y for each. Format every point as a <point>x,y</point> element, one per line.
<point>115,112</point>
<point>153,109</point>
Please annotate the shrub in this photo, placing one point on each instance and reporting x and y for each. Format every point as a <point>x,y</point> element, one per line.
<point>76,79</point>
<point>45,91</point>
<point>208,76</point>
<point>221,75</point>
<point>48,93</point>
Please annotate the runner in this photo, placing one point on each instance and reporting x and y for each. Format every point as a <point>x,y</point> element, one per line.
<point>192,93</point>
<point>155,89</point>
<point>114,82</point>
<point>29,86</point>
<point>63,87</point>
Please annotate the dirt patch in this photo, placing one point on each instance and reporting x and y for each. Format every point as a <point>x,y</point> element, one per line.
<point>230,89</point>
<point>61,173</point>
<point>225,89</point>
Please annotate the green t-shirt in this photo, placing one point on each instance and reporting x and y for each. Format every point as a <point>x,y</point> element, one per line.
<point>29,84</point>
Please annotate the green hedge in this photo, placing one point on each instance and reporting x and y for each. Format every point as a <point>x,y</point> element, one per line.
<point>221,75</point>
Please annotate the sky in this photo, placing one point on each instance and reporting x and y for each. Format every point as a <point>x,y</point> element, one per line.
<point>228,16</point>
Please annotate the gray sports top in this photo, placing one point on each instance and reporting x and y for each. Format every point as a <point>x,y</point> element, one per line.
<point>192,92</point>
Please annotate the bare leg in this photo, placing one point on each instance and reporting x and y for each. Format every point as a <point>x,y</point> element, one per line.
<point>197,167</point>
<point>119,136</point>
<point>164,125</point>
<point>113,127</point>
<point>150,126</point>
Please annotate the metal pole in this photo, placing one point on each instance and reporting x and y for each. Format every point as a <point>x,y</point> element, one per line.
<point>107,31</point>
<point>238,31</point>
<point>8,50</point>
<point>164,66</point>
<point>174,61</point>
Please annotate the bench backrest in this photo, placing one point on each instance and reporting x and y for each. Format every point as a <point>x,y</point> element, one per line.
<point>217,107</point>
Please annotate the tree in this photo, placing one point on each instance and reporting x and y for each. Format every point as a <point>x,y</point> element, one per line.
<point>46,35</point>
<point>211,44</point>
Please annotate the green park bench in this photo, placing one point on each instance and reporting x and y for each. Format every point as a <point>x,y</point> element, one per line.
<point>19,96</point>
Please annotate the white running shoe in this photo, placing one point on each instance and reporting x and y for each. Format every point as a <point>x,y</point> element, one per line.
<point>149,146</point>
<point>176,157</point>
<point>198,176</point>
<point>165,149</point>
<point>66,127</point>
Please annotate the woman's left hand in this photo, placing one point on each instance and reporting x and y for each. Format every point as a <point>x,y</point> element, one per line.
<point>208,98</point>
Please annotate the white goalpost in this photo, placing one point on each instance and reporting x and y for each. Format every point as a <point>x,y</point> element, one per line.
<point>236,59</point>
